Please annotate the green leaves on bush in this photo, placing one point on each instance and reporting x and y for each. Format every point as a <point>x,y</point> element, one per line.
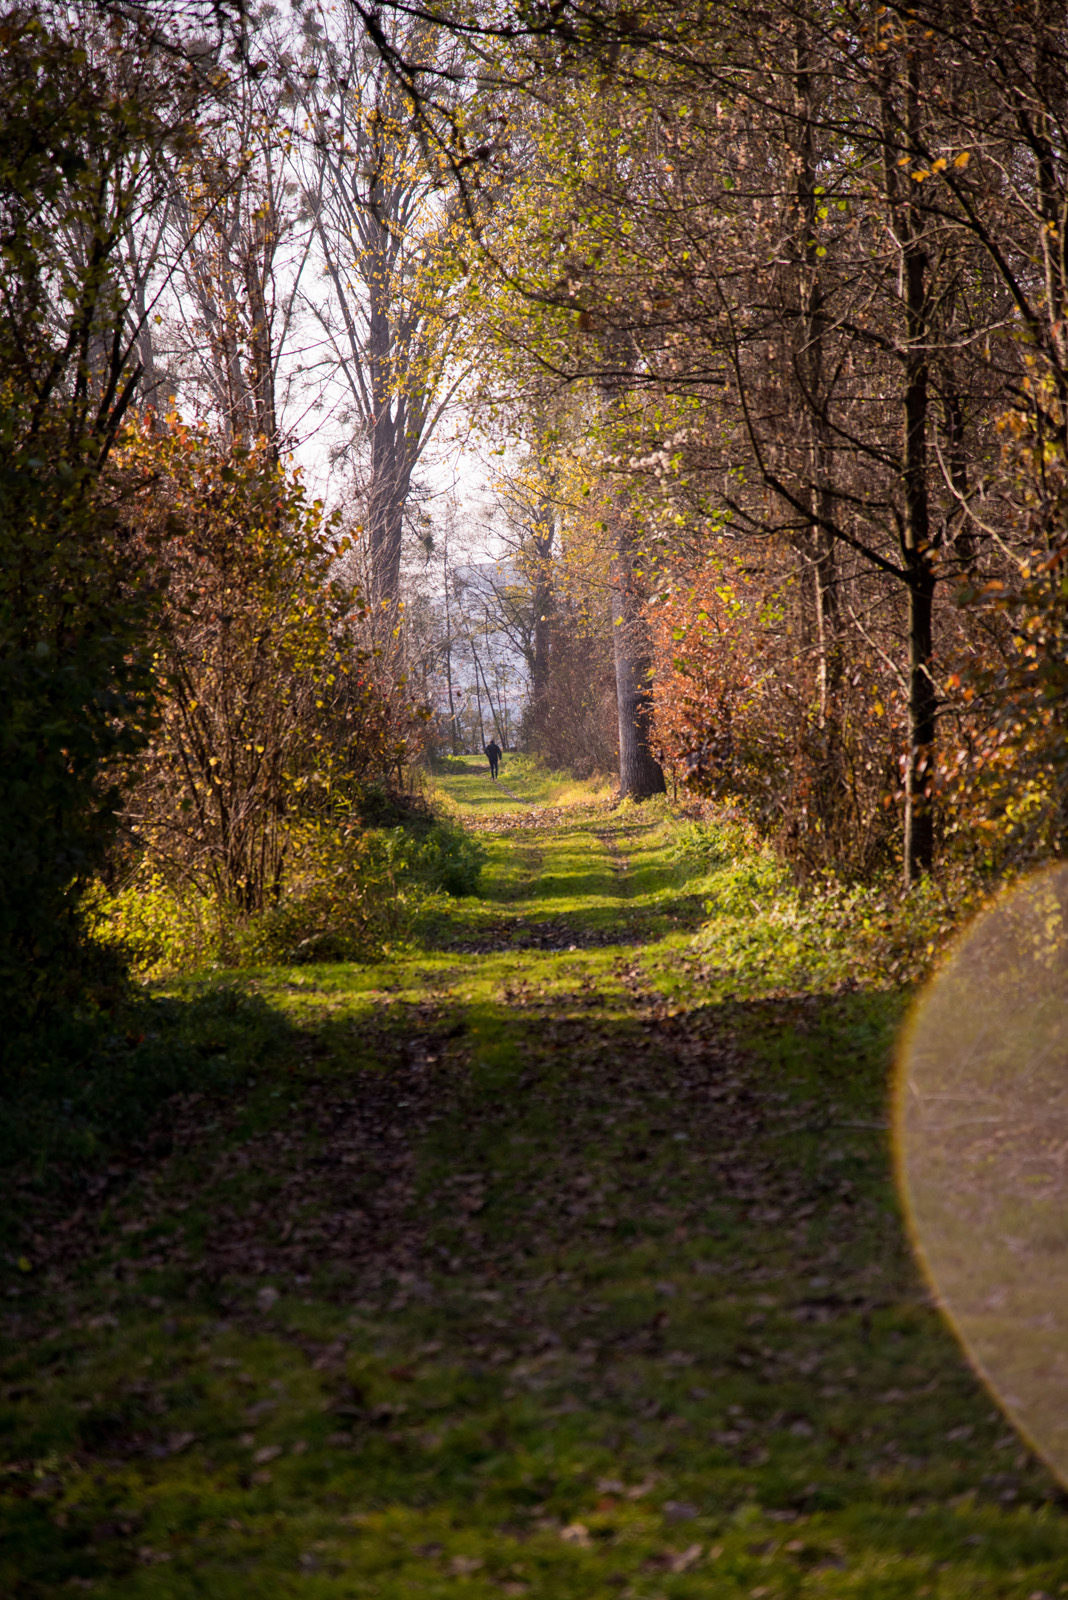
<point>447,858</point>
<point>83,141</point>
<point>349,894</point>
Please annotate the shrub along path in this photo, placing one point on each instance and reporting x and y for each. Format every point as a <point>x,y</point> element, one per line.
<point>540,1260</point>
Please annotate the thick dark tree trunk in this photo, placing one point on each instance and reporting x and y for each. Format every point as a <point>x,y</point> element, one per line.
<point>396,418</point>
<point>923,701</point>
<point>391,474</point>
<point>640,774</point>
<point>915,528</point>
<point>923,712</point>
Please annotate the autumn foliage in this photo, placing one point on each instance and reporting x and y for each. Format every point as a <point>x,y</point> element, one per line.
<point>271,712</point>
<point>738,716</point>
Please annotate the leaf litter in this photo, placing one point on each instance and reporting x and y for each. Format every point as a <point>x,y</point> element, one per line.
<point>558,1282</point>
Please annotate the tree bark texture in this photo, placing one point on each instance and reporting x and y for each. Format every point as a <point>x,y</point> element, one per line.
<point>397,419</point>
<point>923,712</point>
<point>902,123</point>
<point>640,774</point>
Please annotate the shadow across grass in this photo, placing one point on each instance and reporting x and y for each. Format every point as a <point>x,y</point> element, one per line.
<point>95,1094</point>
<point>562,1288</point>
<point>499,1268</point>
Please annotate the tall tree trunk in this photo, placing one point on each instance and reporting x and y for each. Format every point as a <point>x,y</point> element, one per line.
<point>923,712</point>
<point>640,774</point>
<point>916,533</point>
<point>390,463</point>
<point>385,522</point>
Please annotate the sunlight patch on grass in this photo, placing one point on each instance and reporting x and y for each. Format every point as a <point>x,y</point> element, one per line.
<point>463,784</point>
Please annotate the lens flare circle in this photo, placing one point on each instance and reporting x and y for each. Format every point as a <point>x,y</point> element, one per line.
<point>981,1131</point>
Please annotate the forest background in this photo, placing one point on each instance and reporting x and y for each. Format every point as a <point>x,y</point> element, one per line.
<point>759,316</point>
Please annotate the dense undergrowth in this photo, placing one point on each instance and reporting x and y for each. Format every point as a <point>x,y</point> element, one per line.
<point>349,890</point>
<point>768,931</point>
<point>94,1077</point>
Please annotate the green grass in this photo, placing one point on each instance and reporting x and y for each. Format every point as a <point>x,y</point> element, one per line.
<point>554,1257</point>
<point>464,784</point>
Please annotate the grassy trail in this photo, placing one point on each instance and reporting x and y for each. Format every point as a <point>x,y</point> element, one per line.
<point>539,1260</point>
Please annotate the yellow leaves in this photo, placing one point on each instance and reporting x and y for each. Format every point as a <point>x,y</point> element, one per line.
<point>940,164</point>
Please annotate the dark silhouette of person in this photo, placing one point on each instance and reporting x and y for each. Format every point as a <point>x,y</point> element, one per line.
<point>493,751</point>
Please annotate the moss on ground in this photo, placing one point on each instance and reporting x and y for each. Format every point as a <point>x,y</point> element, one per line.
<point>551,1258</point>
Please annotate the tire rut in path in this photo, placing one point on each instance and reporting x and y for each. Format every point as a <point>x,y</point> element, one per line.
<point>334,1189</point>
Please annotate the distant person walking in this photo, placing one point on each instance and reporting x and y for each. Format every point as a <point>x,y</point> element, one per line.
<point>493,751</point>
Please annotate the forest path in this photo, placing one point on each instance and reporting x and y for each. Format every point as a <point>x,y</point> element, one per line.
<point>524,1263</point>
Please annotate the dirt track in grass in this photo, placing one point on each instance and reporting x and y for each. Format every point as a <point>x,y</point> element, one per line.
<point>527,1262</point>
